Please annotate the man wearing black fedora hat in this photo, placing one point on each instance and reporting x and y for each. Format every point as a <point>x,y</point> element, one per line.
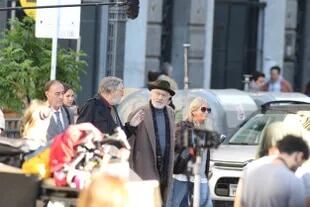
<point>152,144</point>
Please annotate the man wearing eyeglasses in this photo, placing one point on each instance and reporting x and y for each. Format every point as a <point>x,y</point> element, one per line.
<point>152,144</point>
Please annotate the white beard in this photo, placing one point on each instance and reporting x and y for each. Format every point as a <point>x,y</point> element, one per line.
<point>157,105</point>
<point>116,101</point>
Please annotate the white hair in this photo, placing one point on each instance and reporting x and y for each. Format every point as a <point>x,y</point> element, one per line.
<point>109,84</point>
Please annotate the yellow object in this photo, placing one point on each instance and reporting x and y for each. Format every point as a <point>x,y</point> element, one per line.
<point>38,164</point>
<point>29,3</point>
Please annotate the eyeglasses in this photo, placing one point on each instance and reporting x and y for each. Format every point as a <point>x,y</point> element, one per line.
<point>204,109</point>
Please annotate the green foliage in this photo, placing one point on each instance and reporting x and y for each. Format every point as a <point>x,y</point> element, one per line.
<point>25,65</point>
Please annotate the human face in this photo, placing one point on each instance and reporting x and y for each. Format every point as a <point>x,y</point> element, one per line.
<point>274,75</point>
<point>260,82</point>
<point>117,95</point>
<point>201,114</point>
<point>69,97</point>
<point>297,159</point>
<point>55,95</point>
<point>159,98</point>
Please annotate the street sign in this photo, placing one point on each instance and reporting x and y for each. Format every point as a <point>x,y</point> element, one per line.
<point>66,20</point>
<point>29,3</point>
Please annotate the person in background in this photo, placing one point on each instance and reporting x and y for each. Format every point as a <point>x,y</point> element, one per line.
<point>35,123</point>
<point>277,83</point>
<point>101,110</point>
<point>268,150</point>
<point>104,191</point>
<point>69,95</point>
<point>197,117</point>
<point>69,100</point>
<point>257,82</point>
<point>166,74</point>
<point>278,186</point>
<point>2,122</point>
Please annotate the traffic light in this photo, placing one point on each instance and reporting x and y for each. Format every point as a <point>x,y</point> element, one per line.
<point>132,9</point>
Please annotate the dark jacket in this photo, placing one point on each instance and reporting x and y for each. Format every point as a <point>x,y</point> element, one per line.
<point>53,128</point>
<point>98,112</point>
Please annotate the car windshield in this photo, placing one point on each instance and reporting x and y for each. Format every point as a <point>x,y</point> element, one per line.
<point>250,132</point>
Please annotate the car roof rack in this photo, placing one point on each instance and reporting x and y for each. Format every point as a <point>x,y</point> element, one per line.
<point>274,103</point>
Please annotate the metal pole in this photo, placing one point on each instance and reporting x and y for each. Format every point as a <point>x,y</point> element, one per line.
<point>13,13</point>
<point>186,78</point>
<point>209,43</point>
<point>78,48</point>
<point>62,6</point>
<point>54,45</point>
<point>246,82</point>
<point>197,180</point>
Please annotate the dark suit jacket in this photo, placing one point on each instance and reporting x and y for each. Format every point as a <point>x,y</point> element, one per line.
<point>143,148</point>
<point>98,112</point>
<point>54,129</point>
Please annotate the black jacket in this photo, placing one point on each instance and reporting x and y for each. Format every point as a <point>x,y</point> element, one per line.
<point>98,112</point>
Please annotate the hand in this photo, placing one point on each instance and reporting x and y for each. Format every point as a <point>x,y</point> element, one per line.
<point>78,130</point>
<point>137,118</point>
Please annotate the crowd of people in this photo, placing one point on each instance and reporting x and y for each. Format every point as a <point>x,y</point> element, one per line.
<point>150,131</point>
<point>276,83</point>
<point>155,143</point>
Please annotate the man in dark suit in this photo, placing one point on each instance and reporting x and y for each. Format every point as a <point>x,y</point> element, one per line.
<point>152,144</point>
<point>101,111</point>
<point>62,117</point>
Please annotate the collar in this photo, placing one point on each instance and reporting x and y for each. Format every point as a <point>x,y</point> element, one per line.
<point>103,100</point>
<point>283,161</point>
<point>54,110</point>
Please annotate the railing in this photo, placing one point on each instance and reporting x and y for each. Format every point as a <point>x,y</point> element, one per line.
<point>12,127</point>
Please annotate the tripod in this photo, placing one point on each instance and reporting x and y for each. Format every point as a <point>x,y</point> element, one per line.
<point>194,168</point>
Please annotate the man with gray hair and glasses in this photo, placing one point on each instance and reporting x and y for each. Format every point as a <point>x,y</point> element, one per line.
<point>101,111</point>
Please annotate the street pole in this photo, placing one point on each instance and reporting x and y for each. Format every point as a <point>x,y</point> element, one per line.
<point>186,78</point>
<point>186,47</point>
<point>54,44</point>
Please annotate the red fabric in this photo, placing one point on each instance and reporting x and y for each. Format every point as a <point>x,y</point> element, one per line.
<point>63,148</point>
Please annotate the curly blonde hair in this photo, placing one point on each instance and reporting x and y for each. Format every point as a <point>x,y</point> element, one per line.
<point>37,110</point>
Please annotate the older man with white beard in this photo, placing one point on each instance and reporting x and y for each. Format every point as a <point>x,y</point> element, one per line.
<point>152,145</point>
<point>101,111</point>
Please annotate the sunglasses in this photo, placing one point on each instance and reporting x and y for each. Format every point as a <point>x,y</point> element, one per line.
<point>204,109</point>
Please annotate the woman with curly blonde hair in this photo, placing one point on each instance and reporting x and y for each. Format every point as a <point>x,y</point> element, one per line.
<point>35,122</point>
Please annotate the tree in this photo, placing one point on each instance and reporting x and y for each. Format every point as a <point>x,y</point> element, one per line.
<point>25,65</point>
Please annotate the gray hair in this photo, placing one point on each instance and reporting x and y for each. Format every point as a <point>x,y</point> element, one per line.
<point>109,84</point>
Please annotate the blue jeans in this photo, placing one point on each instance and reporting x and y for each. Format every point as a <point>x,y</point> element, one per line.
<point>180,194</point>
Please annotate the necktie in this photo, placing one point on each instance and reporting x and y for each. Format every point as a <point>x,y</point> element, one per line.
<point>58,121</point>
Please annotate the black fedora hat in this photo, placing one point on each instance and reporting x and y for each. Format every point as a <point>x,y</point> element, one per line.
<point>162,85</point>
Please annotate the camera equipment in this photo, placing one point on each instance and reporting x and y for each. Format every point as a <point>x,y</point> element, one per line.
<point>199,141</point>
<point>202,138</point>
